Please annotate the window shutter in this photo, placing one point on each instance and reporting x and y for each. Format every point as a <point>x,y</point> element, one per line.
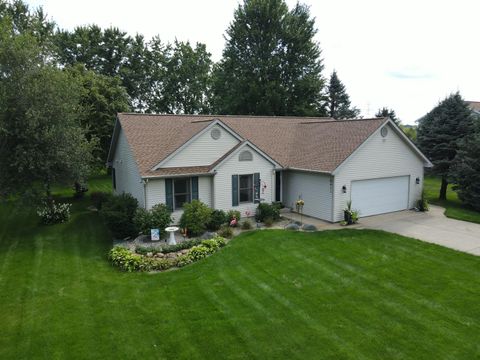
<point>169,193</point>
<point>114,179</point>
<point>256,188</point>
<point>234,190</point>
<point>194,188</point>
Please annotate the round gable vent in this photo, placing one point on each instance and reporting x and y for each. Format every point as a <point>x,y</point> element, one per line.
<point>215,134</point>
<point>384,131</point>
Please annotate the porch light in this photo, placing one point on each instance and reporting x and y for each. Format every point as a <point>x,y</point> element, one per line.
<point>417,180</point>
<point>344,189</point>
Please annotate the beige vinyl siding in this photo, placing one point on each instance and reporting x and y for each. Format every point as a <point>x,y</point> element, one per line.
<point>156,193</point>
<point>203,150</point>
<point>378,157</point>
<point>314,189</point>
<point>128,178</point>
<point>222,196</point>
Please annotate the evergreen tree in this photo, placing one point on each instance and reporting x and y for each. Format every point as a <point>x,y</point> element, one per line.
<point>271,64</point>
<point>439,133</point>
<point>466,169</point>
<point>338,102</point>
<point>386,112</point>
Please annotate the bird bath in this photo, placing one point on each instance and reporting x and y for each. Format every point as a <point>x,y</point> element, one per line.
<point>171,230</point>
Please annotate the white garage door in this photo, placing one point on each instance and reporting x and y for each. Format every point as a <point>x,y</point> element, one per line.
<point>378,196</point>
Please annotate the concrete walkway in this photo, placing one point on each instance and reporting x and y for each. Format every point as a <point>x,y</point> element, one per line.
<point>432,226</point>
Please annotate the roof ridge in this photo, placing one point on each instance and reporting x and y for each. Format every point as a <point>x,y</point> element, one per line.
<point>343,120</point>
<point>228,116</point>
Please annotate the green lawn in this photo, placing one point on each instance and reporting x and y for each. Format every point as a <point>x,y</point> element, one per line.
<point>347,294</point>
<point>453,207</point>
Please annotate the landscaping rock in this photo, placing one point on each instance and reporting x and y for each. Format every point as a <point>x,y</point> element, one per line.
<point>208,235</point>
<point>292,227</point>
<point>309,227</point>
<point>149,254</point>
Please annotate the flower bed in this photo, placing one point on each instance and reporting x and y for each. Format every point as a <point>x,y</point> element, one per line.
<point>158,260</point>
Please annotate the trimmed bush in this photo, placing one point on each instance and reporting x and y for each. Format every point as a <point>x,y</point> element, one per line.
<point>268,222</point>
<point>125,260</point>
<point>226,232</point>
<point>218,218</point>
<point>195,217</point>
<point>265,211</point>
<point>53,213</point>
<point>246,225</point>
<point>118,212</point>
<point>158,217</point>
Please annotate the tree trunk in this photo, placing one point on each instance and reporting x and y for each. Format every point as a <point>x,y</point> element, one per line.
<point>443,189</point>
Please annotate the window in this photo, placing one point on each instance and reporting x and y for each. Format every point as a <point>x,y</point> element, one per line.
<point>245,189</point>
<point>245,156</point>
<point>182,192</point>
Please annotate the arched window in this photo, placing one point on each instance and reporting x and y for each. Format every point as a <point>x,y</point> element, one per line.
<point>245,156</point>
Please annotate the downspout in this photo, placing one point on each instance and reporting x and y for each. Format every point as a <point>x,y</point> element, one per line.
<point>145,182</point>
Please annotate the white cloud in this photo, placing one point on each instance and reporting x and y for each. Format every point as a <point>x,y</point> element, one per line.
<point>406,54</point>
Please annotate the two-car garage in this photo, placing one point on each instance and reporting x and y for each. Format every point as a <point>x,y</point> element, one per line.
<point>381,195</point>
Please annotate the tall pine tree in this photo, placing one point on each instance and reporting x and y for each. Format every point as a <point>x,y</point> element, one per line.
<point>271,64</point>
<point>338,102</point>
<point>439,133</point>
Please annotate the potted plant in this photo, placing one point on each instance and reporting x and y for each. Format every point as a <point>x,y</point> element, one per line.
<point>299,206</point>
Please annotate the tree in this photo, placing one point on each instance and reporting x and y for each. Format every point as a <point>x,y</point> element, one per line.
<point>410,131</point>
<point>338,101</point>
<point>101,97</point>
<point>39,122</point>
<point>186,80</point>
<point>465,171</point>
<point>439,133</point>
<point>271,64</point>
<point>386,112</point>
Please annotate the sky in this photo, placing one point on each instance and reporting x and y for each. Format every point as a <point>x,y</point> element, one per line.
<point>406,55</point>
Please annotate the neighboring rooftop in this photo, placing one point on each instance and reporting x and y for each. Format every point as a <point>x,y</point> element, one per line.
<point>474,105</point>
<point>318,144</point>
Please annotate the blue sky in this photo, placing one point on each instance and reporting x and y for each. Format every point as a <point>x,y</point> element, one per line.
<point>406,54</point>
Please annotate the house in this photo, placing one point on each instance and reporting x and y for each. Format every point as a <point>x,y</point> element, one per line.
<point>233,162</point>
<point>474,106</point>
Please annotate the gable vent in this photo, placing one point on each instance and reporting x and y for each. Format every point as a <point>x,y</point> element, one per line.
<point>215,134</point>
<point>245,156</point>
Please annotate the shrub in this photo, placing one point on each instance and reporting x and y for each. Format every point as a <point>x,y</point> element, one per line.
<point>226,232</point>
<point>218,218</point>
<point>118,212</point>
<point>158,217</point>
<point>233,214</point>
<point>268,222</point>
<point>198,252</point>
<point>98,198</point>
<point>265,211</point>
<point>80,190</point>
<point>278,204</point>
<point>52,213</point>
<point>422,203</point>
<point>125,260</point>
<point>187,244</point>
<point>195,217</point>
<point>246,225</point>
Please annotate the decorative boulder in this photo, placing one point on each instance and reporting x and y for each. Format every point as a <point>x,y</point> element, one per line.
<point>292,226</point>
<point>309,227</point>
<point>208,235</point>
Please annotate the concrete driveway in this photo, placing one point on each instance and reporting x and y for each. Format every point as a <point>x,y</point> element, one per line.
<point>432,226</point>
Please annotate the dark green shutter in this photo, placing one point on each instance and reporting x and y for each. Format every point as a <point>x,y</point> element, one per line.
<point>169,193</point>
<point>234,190</point>
<point>195,188</point>
<point>256,187</point>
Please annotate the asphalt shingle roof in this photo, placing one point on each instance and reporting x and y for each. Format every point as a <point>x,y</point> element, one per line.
<point>318,144</point>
